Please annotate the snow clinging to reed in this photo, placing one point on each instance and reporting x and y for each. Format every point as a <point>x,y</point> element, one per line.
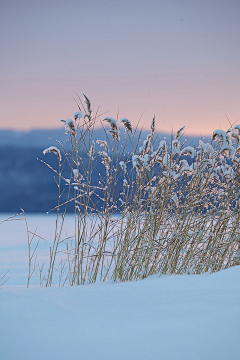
<point>53,149</point>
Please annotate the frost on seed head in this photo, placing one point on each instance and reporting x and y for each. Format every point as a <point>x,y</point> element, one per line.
<point>87,116</point>
<point>139,161</point>
<point>103,143</point>
<point>135,161</point>
<point>153,125</point>
<point>237,127</point>
<point>127,124</point>
<point>179,132</point>
<point>115,134</point>
<point>114,128</point>
<point>112,122</point>
<point>91,151</point>
<point>188,150</point>
<point>162,146</point>
<point>145,161</point>
<point>70,127</point>
<point>219,134</point>
<point>77,175</point>
<point>77,115</point>
<point>175,147</point>
<point>105,159</point>
<point>226,170</point>
<point>229,149</point>
<point>53,149</point>
<point>206,148</point>
<point>87,102</point>
<point>123,166</point>
<point>234,133</point>
<point>225,142</point>
<point>147,145</point>
<point>166,159</point>
<point>184,166</point>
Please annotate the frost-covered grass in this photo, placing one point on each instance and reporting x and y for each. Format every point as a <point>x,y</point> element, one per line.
<point>159,209</point>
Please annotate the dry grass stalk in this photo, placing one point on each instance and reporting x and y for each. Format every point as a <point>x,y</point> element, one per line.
<point>176,212</point>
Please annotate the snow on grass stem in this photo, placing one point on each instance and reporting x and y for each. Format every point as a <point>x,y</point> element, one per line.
<point>177,207</point>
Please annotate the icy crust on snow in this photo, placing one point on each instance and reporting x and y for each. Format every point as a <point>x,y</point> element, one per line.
<point>173,317</point>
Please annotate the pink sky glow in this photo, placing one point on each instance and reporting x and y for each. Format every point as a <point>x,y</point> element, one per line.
<point>179,60</point>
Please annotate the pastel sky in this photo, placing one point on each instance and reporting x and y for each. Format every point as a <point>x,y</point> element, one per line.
<point>177,59</point>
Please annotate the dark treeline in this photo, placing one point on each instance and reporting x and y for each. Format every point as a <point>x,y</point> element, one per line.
<point>27,183</point>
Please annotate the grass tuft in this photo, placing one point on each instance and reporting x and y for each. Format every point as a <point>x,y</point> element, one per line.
<point>162,208</point>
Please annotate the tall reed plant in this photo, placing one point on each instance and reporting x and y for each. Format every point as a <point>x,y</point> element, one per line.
<point>162,208</point>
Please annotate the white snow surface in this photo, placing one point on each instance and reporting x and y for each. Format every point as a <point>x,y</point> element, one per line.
<point>184,317</point>
<point>180,317</point>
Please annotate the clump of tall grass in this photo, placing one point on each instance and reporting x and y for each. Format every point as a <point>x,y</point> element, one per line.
<point>166,209</point>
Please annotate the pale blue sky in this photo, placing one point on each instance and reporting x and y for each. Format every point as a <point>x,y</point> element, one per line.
<point>177,59</point>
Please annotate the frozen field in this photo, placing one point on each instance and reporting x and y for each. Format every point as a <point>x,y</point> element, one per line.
<point>14,243</point>
<point>187,317</point>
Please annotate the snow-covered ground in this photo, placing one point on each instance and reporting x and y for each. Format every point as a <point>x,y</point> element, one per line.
<point>14,243</point>
<point>188,317</point>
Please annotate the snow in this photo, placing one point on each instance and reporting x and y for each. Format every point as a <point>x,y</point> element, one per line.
<point>184,317</point>
<point>127,124</point>
<point>111,121</point>
<point>176,317</point>
<point>53,149</point>
<point>77,115</point>
<point>188,150</point>
<point>123,166</point>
